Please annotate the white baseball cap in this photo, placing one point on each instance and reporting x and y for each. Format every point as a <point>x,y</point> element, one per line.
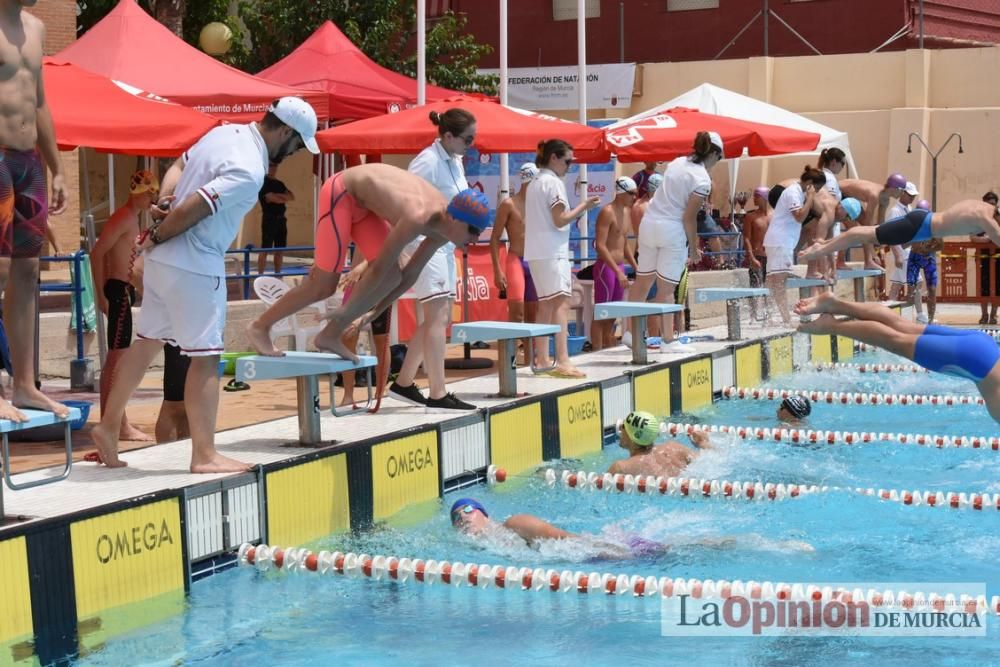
<point>717,141</point>
<point>299,115</point>
<point>911,189</point>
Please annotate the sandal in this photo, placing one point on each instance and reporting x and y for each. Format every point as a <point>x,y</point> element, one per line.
<point>92,457</point>
<point>236,385</point>
<point>983,320</point>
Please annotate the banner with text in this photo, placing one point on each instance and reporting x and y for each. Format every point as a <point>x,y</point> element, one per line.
<point>551,88</point>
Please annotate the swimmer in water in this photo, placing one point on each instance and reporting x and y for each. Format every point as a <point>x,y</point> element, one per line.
<point>960,352</point>
<point>637,432</point>
<point>794,409</point>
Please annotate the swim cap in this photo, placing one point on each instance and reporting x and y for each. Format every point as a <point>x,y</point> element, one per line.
<point>625,184</point>
<point>797,406</point>
<point>852,207</point>
<point>716,141</point>
<point>654,181</point>
<point>471,207</point>
<point>528,172</point>
<point>457,506</point>
<point>642,428</point>
<point>761,192</point>
<point>143,181</point>
<point>923,204</point>
<point>774,194</point>
<point>896,181</point>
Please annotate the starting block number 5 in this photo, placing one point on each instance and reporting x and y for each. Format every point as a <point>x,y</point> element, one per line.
<point>249,370</point>
<point>602,314</point>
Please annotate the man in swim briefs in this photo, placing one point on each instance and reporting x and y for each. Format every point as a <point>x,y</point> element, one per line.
<point>963,353</point>
<point>967,217</point>
<point>380,208</point>
<point>637,433</point>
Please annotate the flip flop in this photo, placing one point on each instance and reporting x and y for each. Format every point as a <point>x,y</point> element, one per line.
<point>92,457</point>
<point>236,385</point>
<point>563,375</point>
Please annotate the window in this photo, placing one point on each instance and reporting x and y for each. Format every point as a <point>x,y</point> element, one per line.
<point>565,10</point>
<point>687,5</point>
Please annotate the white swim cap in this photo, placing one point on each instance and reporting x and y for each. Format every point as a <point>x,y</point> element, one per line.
<point>528,172</point>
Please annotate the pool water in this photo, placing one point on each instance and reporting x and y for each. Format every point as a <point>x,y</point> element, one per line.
<point>242,615</point>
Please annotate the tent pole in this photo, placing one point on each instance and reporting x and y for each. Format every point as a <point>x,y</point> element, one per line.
<point>421,52</point>
<point>504,157</point>
<point>91,236</point>
<point>581,87</point>
<point>111,183</point>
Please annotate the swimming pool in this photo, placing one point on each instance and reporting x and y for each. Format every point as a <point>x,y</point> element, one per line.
<point>240,614</point>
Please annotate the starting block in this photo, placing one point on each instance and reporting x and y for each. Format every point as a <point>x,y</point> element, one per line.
<point>305,367</point>
<point>731,295</point>
<point>506,335</point>
<point>36,418</point>
<point>858,276</point>
<point>636,312</point>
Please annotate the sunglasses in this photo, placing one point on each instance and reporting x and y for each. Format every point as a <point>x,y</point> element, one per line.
<point>568,161</point>
<point>467,139</point>
<point>464,509</point>
<point>474,231</point>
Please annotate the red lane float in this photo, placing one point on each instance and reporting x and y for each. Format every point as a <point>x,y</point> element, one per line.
<point>512,578</point>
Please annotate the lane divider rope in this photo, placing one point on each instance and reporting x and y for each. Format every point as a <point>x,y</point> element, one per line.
<point>808,436</point>
<point>691,487</point>
<point>512,578</point>
<point>872,368</point>
<point>850,398</point>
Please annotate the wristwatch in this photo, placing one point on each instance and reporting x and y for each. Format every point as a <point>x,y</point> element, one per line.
<point>154,235</point>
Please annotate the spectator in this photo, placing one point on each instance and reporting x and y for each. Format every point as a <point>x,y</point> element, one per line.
<point>273,225</point>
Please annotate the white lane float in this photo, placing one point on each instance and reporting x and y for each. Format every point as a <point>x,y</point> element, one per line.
<point>402,570</point>
<point>849,398</point>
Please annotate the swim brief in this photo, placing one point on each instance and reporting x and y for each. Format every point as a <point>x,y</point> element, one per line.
<point>920,262</point>
<point>23,203</point>
<point>606,285</point>
<point>643,548</point>
<point>913,227</point>
<point>343,220</point>
<point>962,353</point>
<point>757,275</point>
<point>520,286</point>
<point>120,296</point>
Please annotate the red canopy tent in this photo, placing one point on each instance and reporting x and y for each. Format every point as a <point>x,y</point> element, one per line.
<point>357,86</point>
<point>671,133</point>
<point>90,110</point>
<point>499,129</point>
<point>129,45</point>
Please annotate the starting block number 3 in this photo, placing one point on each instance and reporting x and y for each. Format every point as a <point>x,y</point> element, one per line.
<point>249,370</point>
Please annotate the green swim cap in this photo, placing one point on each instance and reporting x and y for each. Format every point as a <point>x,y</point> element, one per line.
<point>642,428</point>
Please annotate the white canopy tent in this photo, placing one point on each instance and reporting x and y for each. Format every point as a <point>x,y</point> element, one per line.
<point>715,100</point>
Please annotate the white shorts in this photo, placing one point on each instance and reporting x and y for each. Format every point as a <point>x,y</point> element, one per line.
<point>663,249</point>
<point>182,308</point>
<point>437,279</point>
<point>780,259</point>
<point>552,277</point>
<point>898,275</point>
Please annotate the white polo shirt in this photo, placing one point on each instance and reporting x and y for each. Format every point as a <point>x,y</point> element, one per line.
<point>226,168</point>
<point>898,210</point>
<point>542,239</point>
<point>441,169</point>
<point>682,178</point>
<point>784,230</point>
<point>832,184</point>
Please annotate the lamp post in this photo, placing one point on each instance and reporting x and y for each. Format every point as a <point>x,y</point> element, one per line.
<point>934,158</point>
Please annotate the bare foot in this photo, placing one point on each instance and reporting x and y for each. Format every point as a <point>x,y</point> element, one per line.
<point>260,340</point>
<point>874,266</point>
<point>132,434</point>
<point>824,302</point>
<point>821,325</point>
<point>327,341</point>
<point>107,447</point>
<point>219,463</point>
<point>8,411</point>
<point>29,397</point>
<point>813,252</point>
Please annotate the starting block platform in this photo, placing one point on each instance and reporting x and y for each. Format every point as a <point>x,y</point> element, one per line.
<point>506,335</point>
<point>36,419</point>
<point>731,295</point>
<point>636,312</point>
<point>306,368</point>
<point>858,276</point>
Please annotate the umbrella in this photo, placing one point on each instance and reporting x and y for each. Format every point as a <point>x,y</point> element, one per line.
<point>671,133</point>
<point>499,129</point>
<point>91,110</point>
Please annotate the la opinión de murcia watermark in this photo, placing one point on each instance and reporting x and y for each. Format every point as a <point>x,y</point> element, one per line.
<point>954,615</point>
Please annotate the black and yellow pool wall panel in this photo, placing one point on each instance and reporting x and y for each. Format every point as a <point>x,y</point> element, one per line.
<point>516,437</point>
<point>691,385</point>
<point>405,471</point>
<point>578,424</point>
<point>16,625</point>
<point>651,390</point>
<point>748,363</point>
<point>780,356</point>
<point>820,348</point>
<point>308,500</point>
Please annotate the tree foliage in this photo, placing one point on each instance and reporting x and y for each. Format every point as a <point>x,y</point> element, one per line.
<point>267,30</point>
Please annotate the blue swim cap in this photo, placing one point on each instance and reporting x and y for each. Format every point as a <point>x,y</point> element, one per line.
<point>852,207</point>
<point>471,207</point>
<point>461,503</point>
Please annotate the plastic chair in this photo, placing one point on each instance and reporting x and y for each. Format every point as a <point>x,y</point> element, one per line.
<point>269,290</point>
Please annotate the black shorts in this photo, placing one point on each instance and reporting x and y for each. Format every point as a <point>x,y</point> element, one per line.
<point>380,325</point>
<point>984,274</point>
<point>274,233</point>
<point>175,370</point>
<point>120,296</point>
<point>757,275</point>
